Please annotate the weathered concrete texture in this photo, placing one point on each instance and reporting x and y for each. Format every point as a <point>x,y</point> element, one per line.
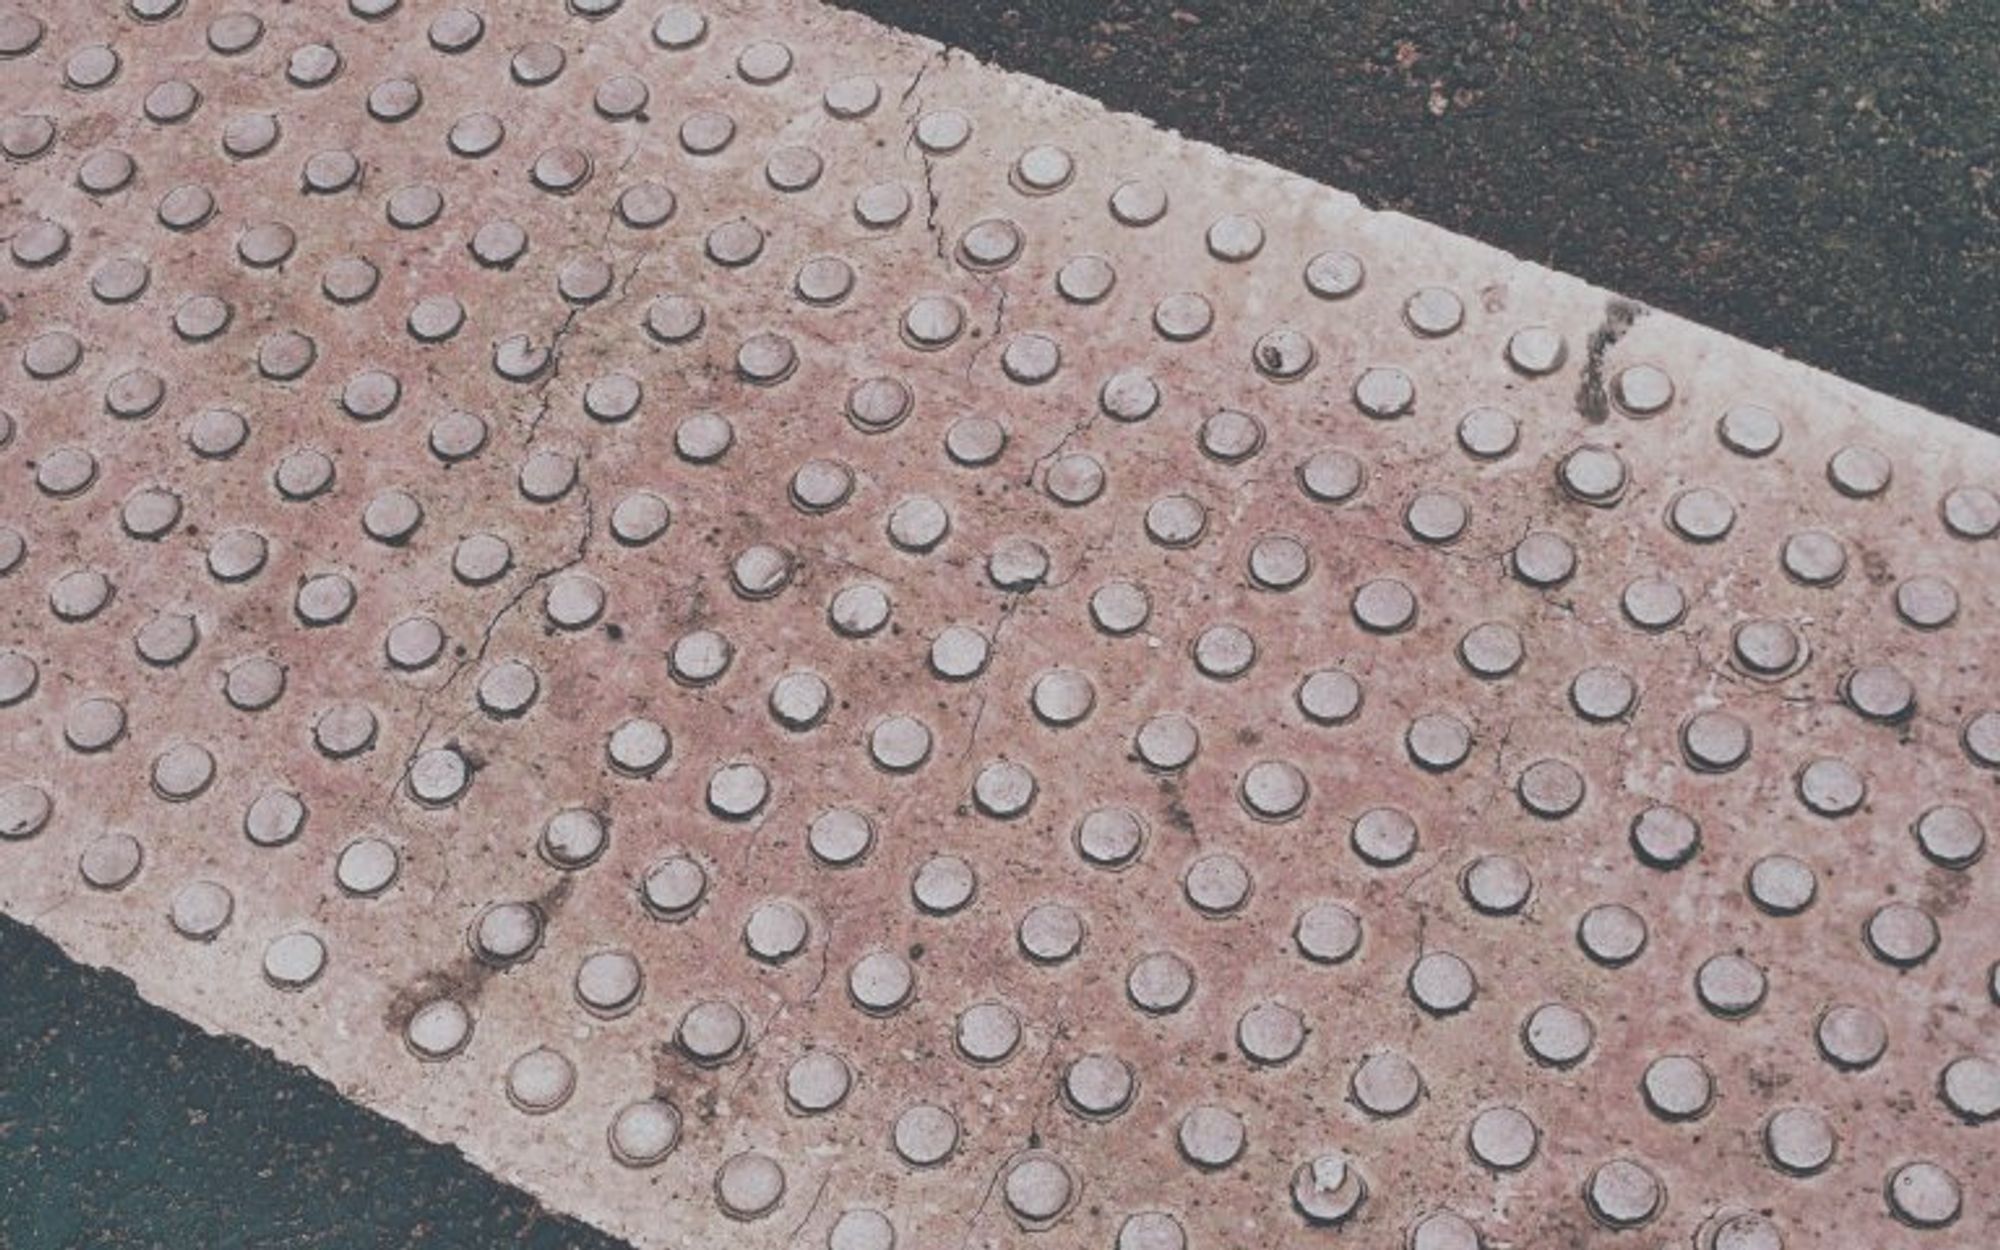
<point>863,642</point>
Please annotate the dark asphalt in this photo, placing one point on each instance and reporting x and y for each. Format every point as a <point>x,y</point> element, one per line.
<point>1822,178</point>
<point>1817,177</point>
<point>123,1127</point>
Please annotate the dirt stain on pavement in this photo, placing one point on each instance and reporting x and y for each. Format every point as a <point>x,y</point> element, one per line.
<point>1593,399</point>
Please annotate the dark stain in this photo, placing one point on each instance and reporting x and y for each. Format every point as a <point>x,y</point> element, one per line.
<point>475,760</point>
<point>695,1089</point>
<point>1593,400</point>
<point>1768,1078</point>
<point>464,978</point>
<point>1177,813</point>
<point>1875,567</point>
<point>1945,891</point>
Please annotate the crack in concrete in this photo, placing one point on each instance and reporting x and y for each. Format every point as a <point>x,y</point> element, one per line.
<point>550,374</point>
<point>579,550</point>
<point>998,289</point>
<point>1079,427</point>
<point>912,103</point>
<point>1008,605</point>
<point>557,340</point>
<point>932,201</point>
<point>812,1208</point>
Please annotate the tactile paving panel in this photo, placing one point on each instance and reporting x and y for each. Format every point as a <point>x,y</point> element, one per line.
<point>792,640</point>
